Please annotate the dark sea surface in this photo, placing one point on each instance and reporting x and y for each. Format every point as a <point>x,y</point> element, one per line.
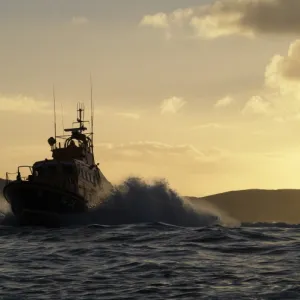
<point>149,258</point>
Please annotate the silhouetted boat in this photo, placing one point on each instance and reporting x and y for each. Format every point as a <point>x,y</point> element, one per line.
<point>69,183</point>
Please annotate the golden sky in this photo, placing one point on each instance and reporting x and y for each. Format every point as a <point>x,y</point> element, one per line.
<point>202,93</point>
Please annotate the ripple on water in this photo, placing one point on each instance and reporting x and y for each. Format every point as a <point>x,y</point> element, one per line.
<point>150,261</point>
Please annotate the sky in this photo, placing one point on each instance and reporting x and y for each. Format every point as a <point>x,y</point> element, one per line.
<point>203,94</point>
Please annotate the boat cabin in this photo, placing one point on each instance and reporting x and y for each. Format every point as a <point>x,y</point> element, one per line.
<point>77,145</point>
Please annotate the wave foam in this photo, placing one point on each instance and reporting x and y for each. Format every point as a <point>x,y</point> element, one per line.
<point>136,201</point>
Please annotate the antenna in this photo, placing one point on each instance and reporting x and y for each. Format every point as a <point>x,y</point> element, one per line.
<point>92,111</point>
<point>62,118</point>
<point>54,112</point>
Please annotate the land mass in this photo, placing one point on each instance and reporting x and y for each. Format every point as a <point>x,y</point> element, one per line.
<point>250,205</point>
<point>256,205</point>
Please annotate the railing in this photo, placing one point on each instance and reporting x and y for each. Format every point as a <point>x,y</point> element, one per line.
<point>18,174</point>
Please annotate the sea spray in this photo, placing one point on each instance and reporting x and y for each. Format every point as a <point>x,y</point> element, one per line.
<point>203,206</point>
<point>4,206</point>
<point>137,201</point>
<point>6,216</point>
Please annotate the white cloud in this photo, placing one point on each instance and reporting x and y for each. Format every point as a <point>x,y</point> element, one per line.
<point>211,27</point>
<point>280,96</point>
<point>257,105</point>
<point>128,115</point>
<point>159,20</point>
<point>224,102</point>
<point>23,104</point>
<point>284,72</point>
<point>175,23</point>
<point>172,105</point>
<point>79,20</point>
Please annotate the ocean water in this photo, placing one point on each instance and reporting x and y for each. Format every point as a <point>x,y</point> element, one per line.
<point>161,248</point>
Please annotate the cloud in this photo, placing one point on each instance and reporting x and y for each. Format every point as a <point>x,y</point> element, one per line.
<point>257,105</point>
<point>128,115</point>
<point>284,72</point>
<point>175,23</point>
<point>234,17</point>
<point>224,102</point>
<point>23,104</point>
<point>280,97</point>
<point>159,20</point>
<point>79,20</point>
<point>172,105</point>
<point>156,152</point>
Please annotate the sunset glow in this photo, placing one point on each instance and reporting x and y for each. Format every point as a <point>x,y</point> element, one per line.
<point>202,93</point>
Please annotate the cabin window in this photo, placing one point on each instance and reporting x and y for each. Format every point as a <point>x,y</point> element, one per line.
<point>39,172</point>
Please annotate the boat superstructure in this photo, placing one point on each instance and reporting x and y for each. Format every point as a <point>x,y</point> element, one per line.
<point>70,182</point>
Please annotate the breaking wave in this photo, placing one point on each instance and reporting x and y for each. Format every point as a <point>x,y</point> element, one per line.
<point>4,206</point>
<point>136,201</point>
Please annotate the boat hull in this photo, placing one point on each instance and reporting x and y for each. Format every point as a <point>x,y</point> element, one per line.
<point>35,204</point>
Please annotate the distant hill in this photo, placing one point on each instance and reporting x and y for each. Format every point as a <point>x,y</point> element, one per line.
<point>256,205</point>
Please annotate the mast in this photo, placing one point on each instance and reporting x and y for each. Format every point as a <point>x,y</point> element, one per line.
<point>62,119</point>
<point>80,116</point>
<point>92,113</point>
<point>54,112</point>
